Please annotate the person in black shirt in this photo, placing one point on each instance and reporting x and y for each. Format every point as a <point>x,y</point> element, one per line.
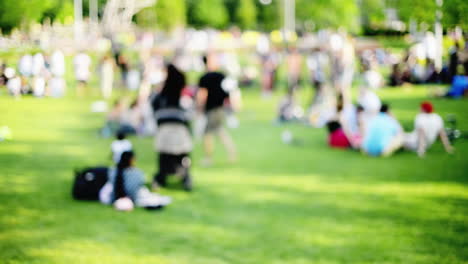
<point>210,99</point>
<point>453,61</point>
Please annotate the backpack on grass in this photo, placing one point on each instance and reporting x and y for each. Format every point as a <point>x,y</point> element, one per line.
<point>88,182</point>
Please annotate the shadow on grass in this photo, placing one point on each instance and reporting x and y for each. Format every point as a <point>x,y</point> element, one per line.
<point>221,224</point>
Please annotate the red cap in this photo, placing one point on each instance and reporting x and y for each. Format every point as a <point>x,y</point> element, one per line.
<point>427,107</point>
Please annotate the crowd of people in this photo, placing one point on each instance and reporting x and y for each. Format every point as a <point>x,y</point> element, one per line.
<point>166,103</point>
<point>173,139</point>
<point>418,66</point>
<point>36,74</point>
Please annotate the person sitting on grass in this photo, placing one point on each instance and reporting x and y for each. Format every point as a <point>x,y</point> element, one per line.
<point>350,118</point>
<point>125,187</point>
<point>427,127</point>
<point>173,139</point>
<point>383,134</point>
<point>119,146</point>
<point>336,136</point>
<point>113,119</point>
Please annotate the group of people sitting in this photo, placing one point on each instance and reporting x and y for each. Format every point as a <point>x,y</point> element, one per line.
<point>135,118</point>
<point>37,75</point>
<point>380,134</point>
<point>416,67</point>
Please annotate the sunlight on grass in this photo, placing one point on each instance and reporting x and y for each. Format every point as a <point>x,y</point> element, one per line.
<point>280,203</point>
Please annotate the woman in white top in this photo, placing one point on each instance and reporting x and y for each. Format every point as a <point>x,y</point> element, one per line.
<point>82,63</point>
<point>57,64</point>
<point>107,76</point>
<point>427,127</point>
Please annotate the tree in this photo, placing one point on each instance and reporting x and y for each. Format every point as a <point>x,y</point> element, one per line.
<point>211,13</point>
<point>328,14</point>
<point>14,13</point>
<point>246,14</point>
<point>166,14</point>
<point>419,11</point>
<point>372,12</point>
<point>59,11</point>
<point>455,14</point>
<point>268,16</point>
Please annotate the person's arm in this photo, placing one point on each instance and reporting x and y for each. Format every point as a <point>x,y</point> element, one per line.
<point>235,99</point>
<point>445,141</point>
<point>201,97</point>
<point>421,150</point>
<point>347,132</point>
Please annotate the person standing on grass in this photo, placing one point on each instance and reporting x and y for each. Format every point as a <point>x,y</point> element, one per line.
<point>293,64</point>
<point>383,135</point>
<point>82,63</point>
<point>173,139</point>
<point>210,100</point>
<point>427,127</point>
<point>107,76</point>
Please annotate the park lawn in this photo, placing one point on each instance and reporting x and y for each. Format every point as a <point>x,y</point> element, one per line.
<point>299,203</point>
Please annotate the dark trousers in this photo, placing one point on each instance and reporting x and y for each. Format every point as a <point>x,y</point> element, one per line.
<point>172,164</point>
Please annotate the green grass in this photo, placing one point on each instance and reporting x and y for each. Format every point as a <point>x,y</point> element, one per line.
<point>279,204</point>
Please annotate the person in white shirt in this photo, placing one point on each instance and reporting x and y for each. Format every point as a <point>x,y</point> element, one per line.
<point>14,82</point>
<point>427,127</point>
<point>82,63</point>
<point>57,87</point>
<point>57,64</point>
<point>369,100</point>
<point>38,64</point>
<point>107,76</point>
<point>119,146</point>
<point>56,83</point>
<point>25,65</point>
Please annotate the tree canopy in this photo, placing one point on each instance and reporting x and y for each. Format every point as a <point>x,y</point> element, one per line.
<point>248,14</point>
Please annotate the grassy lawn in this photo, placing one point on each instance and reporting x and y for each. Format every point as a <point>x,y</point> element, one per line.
<point>279,204</point>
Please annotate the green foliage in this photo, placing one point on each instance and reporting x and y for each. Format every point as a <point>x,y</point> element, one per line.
<point>65,12</point>
<point>171,13</point>
<point>372,12</point>
<point>166,14</point>
<point>59,11</point>
<point>328,13</point>
<point>246,14</point>
<point>455,14</point>
<point>293,204</point>
<point>269,16</point>
<point>209,13</point>
<point>420,11</point>
<point>14,13</point>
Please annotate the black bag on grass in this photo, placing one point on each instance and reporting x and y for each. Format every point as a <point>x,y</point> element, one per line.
<point>88,183</point>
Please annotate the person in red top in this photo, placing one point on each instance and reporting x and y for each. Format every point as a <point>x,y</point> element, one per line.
<point>336,136</point>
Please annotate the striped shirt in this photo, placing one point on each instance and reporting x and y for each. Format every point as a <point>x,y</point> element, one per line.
<point>133,181</point>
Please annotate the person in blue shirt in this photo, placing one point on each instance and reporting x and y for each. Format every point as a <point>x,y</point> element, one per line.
<point>383,135</point>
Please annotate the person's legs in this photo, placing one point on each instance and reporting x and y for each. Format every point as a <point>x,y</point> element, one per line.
<point>165,168</point>
<point>185,164</point>
<point>82,88</point>
<point>228,144</point>
<point>214,120</point>
<point>395,144</point>
<point>208,148</point>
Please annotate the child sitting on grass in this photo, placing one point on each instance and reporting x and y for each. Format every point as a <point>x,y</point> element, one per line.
<point>119,146</point>
<point>336,137</point>
<point>125,187</point>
